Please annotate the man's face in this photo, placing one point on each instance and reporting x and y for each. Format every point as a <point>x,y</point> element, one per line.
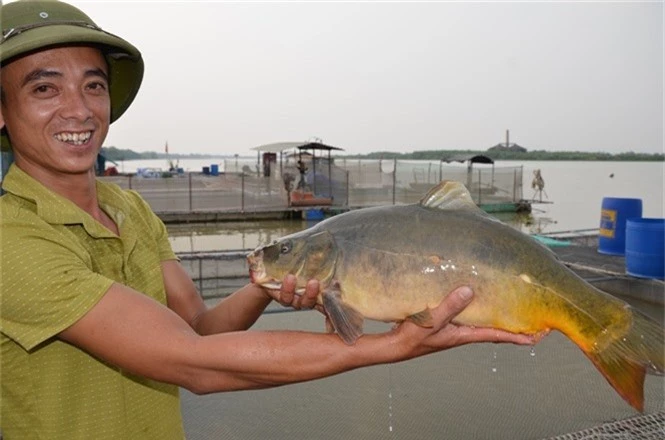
<point>56,109</point>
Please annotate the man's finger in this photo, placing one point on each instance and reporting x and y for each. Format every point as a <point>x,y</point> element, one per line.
<point>288,289</point>
<point>467,335</point>
<point>310,294</point>
<point>452,305</point>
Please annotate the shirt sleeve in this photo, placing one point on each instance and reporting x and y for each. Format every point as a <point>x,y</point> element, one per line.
<point>46,283</point>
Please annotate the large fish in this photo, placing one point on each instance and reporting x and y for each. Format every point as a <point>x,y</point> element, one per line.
<point>393,263</point>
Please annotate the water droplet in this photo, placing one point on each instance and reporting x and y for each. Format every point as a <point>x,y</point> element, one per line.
<point>495,355</point>
<point>493,370</point>
<point>390,399</point>
<point>533,352</point>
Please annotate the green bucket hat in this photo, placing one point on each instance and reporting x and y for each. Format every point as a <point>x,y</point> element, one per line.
<point>30,26</point>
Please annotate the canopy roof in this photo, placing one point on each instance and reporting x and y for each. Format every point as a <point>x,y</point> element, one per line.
<point>278,147</point>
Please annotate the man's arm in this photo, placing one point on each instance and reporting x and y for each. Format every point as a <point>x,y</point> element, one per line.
<point>235,312</point>
<point>139,335</point>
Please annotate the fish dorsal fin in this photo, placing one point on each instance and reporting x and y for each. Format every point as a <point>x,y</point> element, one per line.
<point>449,195</point>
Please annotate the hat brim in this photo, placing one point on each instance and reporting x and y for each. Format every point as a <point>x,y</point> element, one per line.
<point>125,62</point>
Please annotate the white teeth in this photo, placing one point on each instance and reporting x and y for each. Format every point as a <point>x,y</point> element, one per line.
<point>74,138</point>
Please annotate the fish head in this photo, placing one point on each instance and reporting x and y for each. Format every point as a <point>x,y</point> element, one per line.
<point>305,254</point>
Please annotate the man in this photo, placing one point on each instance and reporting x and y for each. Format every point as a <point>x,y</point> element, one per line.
<point>302,169</point>
<point>99,322</point>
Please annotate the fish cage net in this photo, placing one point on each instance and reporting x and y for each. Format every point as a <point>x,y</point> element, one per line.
<point>347,182</point>
<point>647,427</point>
<point>216,274</point>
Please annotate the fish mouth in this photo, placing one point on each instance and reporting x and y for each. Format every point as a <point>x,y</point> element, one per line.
<point>258,274</point>
<point>257,271</point>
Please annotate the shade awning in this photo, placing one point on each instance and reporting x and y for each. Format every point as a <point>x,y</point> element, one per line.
<point>278,147</point>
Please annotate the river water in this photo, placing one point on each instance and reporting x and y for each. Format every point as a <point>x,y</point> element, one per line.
<point>576,191</point>
<point>572,199</point>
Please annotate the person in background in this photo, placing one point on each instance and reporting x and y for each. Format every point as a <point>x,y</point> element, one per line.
<point>302,169</point>
<point>99,323</point>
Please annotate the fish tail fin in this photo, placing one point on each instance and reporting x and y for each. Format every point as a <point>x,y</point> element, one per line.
<point>626,360</point>
<point>625,376</point>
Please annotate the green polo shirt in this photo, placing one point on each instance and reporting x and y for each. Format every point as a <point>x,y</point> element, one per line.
<point>56,262</point>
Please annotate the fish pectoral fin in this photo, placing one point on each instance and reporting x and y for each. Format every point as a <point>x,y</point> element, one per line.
<point>329,327</point>
<point>423,318</point>
<point>347,322</point>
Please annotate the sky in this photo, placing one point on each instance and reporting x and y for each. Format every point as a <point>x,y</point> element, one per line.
<point>223,77</point>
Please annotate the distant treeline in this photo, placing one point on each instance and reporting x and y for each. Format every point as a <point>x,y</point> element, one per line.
<point>117,154</point>
<point>515,155</point>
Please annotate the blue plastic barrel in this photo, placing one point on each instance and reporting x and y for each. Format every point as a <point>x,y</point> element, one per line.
<point>214,169</point>
<point>314,214</point>
<point>645,247</point>
<point>613,215</point>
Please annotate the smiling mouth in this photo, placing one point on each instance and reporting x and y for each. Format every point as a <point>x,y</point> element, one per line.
<point>73,138</point>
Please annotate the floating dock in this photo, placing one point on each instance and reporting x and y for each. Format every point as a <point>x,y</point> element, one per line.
<point>297,211</point>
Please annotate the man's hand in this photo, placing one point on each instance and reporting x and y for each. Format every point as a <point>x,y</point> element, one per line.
<point>288,297</point>
<point>446,334</point>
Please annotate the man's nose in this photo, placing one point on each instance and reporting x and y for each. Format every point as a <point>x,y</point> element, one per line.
<point>77,105</point>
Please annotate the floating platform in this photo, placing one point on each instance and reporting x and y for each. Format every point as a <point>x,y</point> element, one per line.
<point>608,273</point>
<point>307,198</point>
<point>295,211</point>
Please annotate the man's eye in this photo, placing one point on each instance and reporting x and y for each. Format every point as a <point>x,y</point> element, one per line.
<point>98,86</point>
<point>42,89</point>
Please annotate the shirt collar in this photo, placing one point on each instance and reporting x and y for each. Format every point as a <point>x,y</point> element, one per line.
<point>56,209</point>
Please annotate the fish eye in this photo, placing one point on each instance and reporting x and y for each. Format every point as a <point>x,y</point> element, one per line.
<point>285,247</point>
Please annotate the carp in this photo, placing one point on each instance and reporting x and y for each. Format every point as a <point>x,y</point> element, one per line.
<point>395,263</point>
